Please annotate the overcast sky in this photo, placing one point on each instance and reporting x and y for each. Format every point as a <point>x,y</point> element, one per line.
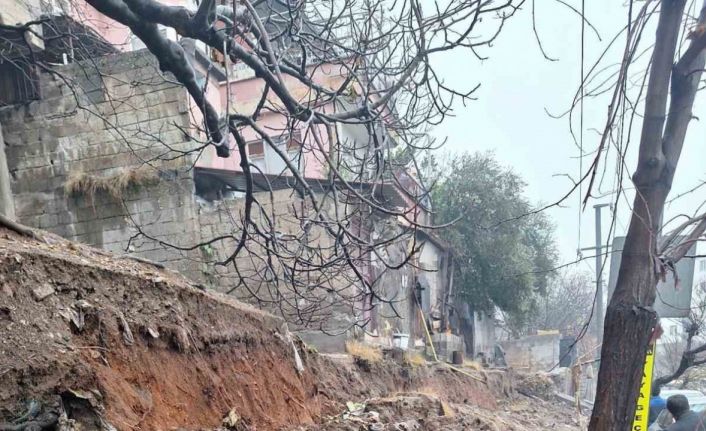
<point>509,118</point>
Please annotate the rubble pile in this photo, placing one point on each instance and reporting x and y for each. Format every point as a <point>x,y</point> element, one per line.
<point>427,412</point>
<point>91,341</point>
<point>536,384</point>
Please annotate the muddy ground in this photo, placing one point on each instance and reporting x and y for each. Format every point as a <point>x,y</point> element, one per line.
<point>93,342</point>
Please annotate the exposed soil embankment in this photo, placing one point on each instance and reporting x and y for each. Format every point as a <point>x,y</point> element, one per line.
<point>105,340</point>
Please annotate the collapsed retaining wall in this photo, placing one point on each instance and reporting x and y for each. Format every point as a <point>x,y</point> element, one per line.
<point>106,340</point>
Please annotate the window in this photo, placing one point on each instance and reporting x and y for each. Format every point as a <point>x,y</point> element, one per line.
<point>137,44</point>
<point>268,160</point>
<point>256,149</point>
<point>673,331</point>
<point>702,265</point>
<point>256,152</point>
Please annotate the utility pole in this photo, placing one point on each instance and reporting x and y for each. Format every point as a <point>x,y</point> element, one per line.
<point>599,273</point>
<point>598,249</point>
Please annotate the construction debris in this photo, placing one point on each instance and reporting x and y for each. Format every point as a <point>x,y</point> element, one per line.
<point>426,412</point>
<point>536,384</point>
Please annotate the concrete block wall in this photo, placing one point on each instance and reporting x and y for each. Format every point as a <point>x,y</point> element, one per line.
<point>396,285</point>
<point>224,218</point>
<point>533,352</point>
<point>119,113</point>
<point>101,119</point>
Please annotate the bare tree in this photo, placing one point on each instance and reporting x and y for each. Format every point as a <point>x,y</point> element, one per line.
<point>380,53</point>
<point>669,91</point>
<point>567,305</point>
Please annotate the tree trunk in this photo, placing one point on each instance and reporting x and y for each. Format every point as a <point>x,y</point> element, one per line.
<point>618,384</point>
<point>630,319</point>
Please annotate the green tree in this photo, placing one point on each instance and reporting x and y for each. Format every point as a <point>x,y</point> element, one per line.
<point>503,256</point>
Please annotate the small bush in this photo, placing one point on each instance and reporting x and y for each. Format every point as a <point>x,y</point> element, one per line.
<point>81,183</point>
<point>474,365</point>
<point>372,354</point>
<point>414,359</point>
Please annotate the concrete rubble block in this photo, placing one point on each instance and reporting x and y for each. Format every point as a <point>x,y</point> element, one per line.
<point>42,292</point>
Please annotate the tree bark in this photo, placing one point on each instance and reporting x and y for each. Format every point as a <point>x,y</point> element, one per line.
<point>630,319</point>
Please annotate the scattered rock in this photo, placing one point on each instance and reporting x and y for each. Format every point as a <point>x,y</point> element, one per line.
<point>42,292</point>
<point>231,420</point>
<point>5,313</point>
<point>83,304</point>
<point>125,327</point>
<point>76,318</point>
<point>407,405</point>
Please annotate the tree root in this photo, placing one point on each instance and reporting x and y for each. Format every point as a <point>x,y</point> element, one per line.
<point>20,229</point>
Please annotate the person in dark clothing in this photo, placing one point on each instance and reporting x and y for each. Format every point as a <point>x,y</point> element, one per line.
<point>657,404</point>
<point>684,418</point>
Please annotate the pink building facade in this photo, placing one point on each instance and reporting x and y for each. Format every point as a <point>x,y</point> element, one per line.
<point>240,93</point>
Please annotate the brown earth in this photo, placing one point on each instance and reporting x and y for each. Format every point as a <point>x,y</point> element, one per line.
<point>113,341</point>
<point>427,412</point>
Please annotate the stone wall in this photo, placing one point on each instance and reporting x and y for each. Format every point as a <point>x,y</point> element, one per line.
<point>119,121</point>
<point>308,304</point>
<point>400,314</point>
<point>99,123</point>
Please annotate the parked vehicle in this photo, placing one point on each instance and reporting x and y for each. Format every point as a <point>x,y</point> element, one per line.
<point>697,403</point>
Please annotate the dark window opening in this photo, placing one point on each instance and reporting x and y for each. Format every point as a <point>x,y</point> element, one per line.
<point>19,83</point>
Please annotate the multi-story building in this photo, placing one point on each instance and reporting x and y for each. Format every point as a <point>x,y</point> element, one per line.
<point>105,111</point>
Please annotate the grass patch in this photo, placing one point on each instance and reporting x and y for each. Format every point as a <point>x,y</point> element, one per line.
<point>414,359</point>
<point>372,354</point>
<point>115,186</point>
<point>472,365</point>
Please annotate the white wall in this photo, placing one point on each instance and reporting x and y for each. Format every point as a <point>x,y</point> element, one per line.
<point>430,258</point>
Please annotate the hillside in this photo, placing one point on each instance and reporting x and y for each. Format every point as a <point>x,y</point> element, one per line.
<point>91,341</point>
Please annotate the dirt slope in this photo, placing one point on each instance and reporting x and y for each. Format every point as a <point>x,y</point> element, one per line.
<point>114,342</point>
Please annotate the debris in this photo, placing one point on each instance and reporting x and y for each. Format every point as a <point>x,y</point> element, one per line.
<point>42,291</point>
<point>297,359</point>
<point>298,364</point>
<point>74,317</point>
<point>143,260</point>
<point>83,304</point>
<point>127,334</point>
<point>354,409</point>
<point>410,425</point>
<point>33,409</point>
<point>231,420</point>
<point>535,385</point>
<point>424,412</point>
<point>19,228</point>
